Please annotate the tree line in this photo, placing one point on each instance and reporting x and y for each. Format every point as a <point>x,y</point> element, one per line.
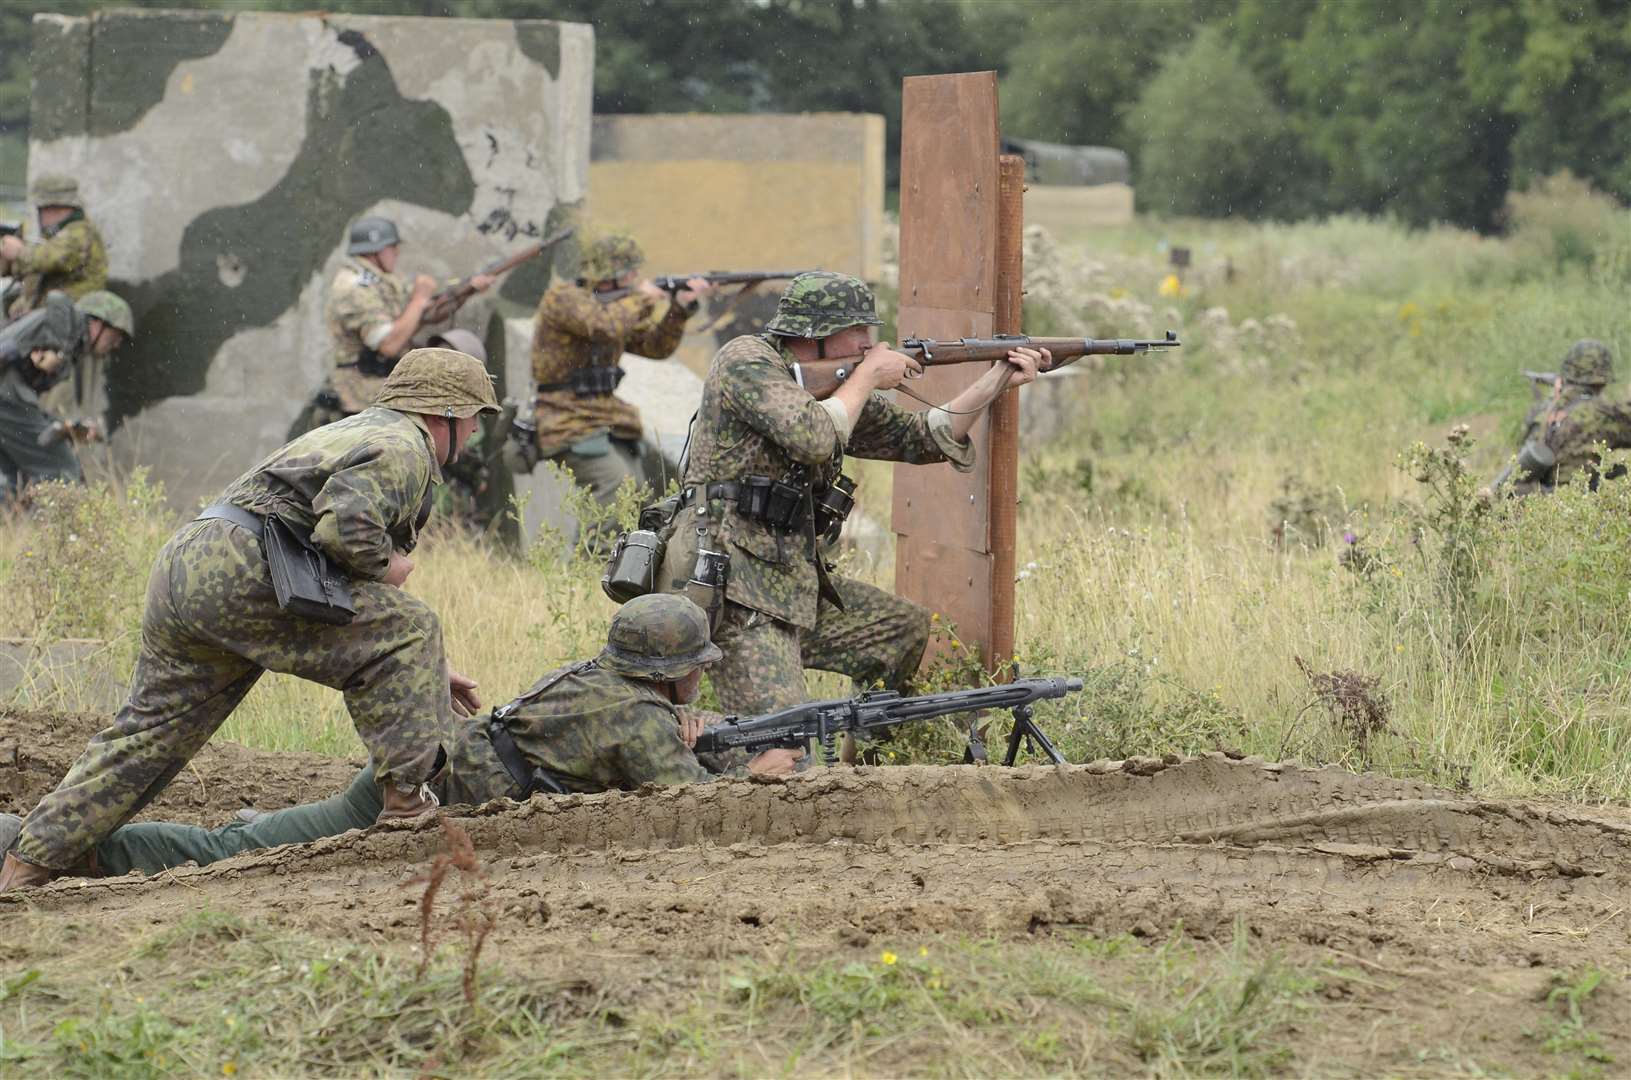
<point>1427,110</point>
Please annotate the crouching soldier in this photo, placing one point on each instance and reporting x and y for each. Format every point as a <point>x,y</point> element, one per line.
<point>355,493</point>
<point>37,352</point>
<point>611,722</point>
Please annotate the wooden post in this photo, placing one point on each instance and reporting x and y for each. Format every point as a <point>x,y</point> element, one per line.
<point>954,544</point>
<point>1003,489</point>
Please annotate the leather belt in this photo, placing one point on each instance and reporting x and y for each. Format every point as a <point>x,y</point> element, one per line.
<point>237,515</point>
<point>719,489</point>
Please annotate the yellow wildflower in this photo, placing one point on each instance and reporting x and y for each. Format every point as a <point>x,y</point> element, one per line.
<point>888,958</point>
<point>1171,286</point>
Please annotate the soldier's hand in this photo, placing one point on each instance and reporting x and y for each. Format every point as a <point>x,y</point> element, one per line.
<point>399,569</point>
<point>482,282</point>
<point>886,369</point>
<point>777,762</point>
<point>47,360</point>
<point>695,289</point>
<point>423,286</point>
<point>1026,363</point>
<point>652,289</point>
<point>10,247</point>
<point>86,431</point>
<point>691,725</point>
<point>463,689</point>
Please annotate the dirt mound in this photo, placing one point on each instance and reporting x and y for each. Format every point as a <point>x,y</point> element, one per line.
<point>1144,846</point>
<point>36,749</point>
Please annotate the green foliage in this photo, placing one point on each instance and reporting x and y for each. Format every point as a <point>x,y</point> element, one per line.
<point>1565,1031</point>
<point>1211,141</point>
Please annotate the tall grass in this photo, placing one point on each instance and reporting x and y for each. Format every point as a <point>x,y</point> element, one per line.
<point>1228,525</point>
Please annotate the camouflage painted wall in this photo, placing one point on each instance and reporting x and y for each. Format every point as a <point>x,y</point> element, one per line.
<point>760,192</point>
<point>222,155</point>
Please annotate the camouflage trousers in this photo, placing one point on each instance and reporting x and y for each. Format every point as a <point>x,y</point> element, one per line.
<point>877,638</point>
<point>155,846</point>
<point>601,464</point>
<point>211,626</point>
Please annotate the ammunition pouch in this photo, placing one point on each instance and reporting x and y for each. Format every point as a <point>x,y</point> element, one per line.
<point>592,380</point>
<point>786,505</point>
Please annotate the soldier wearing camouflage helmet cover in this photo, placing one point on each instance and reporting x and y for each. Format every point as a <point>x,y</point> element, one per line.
<point>1561,433</point>
<point>614,722</point>
<point>372,314</point>
<point>360,491</point>
<point>579,338</point>
<point>70,256</point>
<point>37,352</point>
<point>784,609</point>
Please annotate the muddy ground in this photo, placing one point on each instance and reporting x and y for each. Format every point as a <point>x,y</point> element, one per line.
<point>1460,911</point>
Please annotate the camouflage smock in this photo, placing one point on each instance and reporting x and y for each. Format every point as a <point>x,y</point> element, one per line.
<point>363,302</point>
<point>1579,420</point>
<point>359,485</point>
<point>58,325</point>
<point>71,258</point>
<point>574,330</point>
<point>595,730</point>
<point>755,419</point>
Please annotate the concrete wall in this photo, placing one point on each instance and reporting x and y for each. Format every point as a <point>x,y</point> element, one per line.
<point>742,193</point>
<point>223,155</point>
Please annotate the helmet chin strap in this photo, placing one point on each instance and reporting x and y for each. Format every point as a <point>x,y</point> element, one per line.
<point>453,448</point>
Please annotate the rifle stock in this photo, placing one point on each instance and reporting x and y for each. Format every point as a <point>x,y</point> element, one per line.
<point>822,377</point>
<point>449,299</point>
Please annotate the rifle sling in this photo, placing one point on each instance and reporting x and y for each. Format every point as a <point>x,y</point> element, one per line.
<point>528,778</point>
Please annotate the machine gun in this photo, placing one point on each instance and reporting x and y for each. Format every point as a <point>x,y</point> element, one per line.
<point>824,721</point>
<point>673,283</point>
<point>446,301</point>
<point>822,377</point>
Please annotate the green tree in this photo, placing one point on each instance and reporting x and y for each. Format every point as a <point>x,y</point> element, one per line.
<point>1210,140</point>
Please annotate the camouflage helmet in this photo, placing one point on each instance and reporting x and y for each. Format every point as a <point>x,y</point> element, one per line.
<point>110,308</point>
<point>609,256</point>
<point>370,235</point>
<point>659,637</point>
<point>1588,363</point>
<point>56,190</point>
<point>818,303</point>
<point>460,340</point>
<point>439,382</point>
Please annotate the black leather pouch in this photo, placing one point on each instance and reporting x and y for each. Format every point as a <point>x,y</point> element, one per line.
<point>306,583</point>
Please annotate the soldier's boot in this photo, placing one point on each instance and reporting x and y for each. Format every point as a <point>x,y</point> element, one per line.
<point>17,874</point>
<point>406,802</point>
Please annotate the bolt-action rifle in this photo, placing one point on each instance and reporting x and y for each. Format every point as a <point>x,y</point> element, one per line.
<point>824,721</point>
<point>673,283</point>
<point>11,228</point>
<point>75,430</point>
<point>822,377</point>
<point>446,301</point>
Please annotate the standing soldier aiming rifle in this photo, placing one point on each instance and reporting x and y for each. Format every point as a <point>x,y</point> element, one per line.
<point>372,314</point>
<point>583,329</point>
<point>69,258</point>
<point>764,486</point>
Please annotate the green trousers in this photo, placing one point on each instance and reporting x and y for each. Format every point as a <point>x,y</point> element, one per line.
<point>152,846</point>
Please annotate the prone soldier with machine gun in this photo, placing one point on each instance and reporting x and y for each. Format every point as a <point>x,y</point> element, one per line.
<point>1569,416</point>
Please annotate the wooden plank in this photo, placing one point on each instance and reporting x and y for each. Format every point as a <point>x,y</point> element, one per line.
<point>949,197</point>
<point>1004,469</point>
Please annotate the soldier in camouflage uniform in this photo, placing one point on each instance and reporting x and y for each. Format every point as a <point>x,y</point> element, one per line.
<point>1560,436</point>
<point>37,351</point>
<point>360,490</point>
<point>610,723</point>
<point>372,314</point>
<point>578,341</point>
<point>784,610</point>
<point>69,258</point>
